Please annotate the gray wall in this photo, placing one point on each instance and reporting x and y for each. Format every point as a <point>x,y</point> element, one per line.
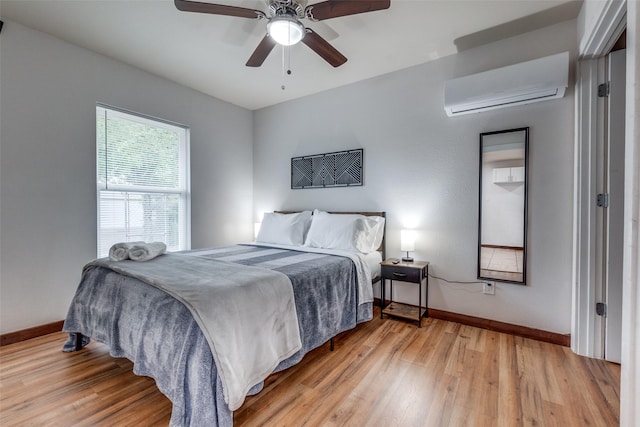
<point>48,93</point>
<point>421,167</point>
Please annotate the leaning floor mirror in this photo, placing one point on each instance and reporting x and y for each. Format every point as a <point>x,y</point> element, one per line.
<point>502,223</point>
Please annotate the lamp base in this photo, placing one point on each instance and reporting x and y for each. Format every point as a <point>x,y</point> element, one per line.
<point>407,259</point>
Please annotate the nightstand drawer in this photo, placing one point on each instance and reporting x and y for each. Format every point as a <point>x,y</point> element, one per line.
<point>402,273</point>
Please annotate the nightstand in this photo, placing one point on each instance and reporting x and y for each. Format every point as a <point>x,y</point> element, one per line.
<point>411,272</point>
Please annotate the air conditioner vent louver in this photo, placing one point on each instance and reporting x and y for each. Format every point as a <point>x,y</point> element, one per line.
<point>532,81</point>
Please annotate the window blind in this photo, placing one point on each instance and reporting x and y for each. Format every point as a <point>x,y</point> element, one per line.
<point>142,180</point>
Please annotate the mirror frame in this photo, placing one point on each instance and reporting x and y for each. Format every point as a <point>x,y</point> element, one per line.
<point>526,185</point>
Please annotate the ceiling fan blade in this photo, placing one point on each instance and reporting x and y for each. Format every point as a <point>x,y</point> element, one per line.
<point>218,9</point>
<point>323,48</point>
<point>335,8</point>
<point>262,51</point>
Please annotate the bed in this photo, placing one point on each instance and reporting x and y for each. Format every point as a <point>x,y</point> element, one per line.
<point>331,285</point>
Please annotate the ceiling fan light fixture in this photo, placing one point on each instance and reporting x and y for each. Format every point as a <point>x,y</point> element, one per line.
<point>285,30</point>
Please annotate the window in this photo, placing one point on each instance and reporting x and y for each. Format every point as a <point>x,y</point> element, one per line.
<point>142,180</point>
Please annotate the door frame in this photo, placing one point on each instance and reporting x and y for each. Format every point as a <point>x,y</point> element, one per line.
<point>598,23</point>
<point>587,337</point>
<point>614,214</point>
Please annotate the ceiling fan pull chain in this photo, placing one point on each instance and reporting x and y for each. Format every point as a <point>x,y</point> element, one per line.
<point>283,67</point>
<point>286,64</point>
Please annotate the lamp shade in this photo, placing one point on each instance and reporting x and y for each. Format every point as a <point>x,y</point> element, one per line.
<point>285,30</point>
<point>407,240</point>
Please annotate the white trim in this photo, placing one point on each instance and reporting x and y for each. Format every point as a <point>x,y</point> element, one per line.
<point>142,118</point>
<point>630,371</point>
<point>586,337</point>
<point>187,205</point>
<point>602,23</point>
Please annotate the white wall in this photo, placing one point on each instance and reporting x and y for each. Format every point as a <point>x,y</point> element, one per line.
<point>49,90</point>
<point>420,166</point>
<point>422,169</point>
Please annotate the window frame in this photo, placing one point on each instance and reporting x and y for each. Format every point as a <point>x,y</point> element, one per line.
<point>184,192</point>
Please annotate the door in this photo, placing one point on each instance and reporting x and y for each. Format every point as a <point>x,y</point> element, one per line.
<point>614,216</point>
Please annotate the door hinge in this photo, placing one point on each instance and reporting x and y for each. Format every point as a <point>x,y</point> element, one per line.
<point>601,309</point>
<point>603,90</point>
<point>602,200</point>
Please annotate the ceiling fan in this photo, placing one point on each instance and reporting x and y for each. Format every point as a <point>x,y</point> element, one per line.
<point>284,26</point>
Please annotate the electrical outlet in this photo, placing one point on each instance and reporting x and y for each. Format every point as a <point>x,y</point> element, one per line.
<point>489,288</point>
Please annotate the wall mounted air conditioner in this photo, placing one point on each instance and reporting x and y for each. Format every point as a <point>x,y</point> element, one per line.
<point>532,81</point>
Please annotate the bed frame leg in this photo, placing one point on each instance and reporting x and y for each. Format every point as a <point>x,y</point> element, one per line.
<point>331,344</point>
<point>78,341</point>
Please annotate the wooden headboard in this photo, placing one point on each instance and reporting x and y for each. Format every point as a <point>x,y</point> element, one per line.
<point>382,248</point>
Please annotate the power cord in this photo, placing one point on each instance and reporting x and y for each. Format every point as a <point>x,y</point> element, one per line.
<point>454,281</point>
<point>461,288</point>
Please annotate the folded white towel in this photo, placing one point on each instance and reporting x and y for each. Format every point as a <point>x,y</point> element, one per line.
<point>120,251</point>
<point>147,251</point>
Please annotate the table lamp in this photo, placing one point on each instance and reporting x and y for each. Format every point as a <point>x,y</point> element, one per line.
<point>407,243</point>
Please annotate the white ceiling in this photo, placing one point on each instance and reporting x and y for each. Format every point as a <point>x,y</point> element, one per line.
<point>208,52</point>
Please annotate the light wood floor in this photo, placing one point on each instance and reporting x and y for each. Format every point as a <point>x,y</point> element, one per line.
<point>385,373</point>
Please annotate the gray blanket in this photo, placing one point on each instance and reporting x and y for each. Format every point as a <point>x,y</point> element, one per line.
<point>247,314</point>
<point>161,337</point>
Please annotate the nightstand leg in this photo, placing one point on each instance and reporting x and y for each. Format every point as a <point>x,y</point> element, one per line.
<point>426,292</point>
<point>383,282</point>
<point>420,304</point>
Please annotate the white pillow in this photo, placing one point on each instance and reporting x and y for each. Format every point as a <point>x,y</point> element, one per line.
<point>356,233</point>
<point>284,229</point>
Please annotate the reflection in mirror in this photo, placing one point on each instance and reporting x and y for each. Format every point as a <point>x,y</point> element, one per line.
<point>502,224</point>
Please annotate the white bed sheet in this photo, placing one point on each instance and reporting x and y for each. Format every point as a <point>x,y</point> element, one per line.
<point>373,261</point>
